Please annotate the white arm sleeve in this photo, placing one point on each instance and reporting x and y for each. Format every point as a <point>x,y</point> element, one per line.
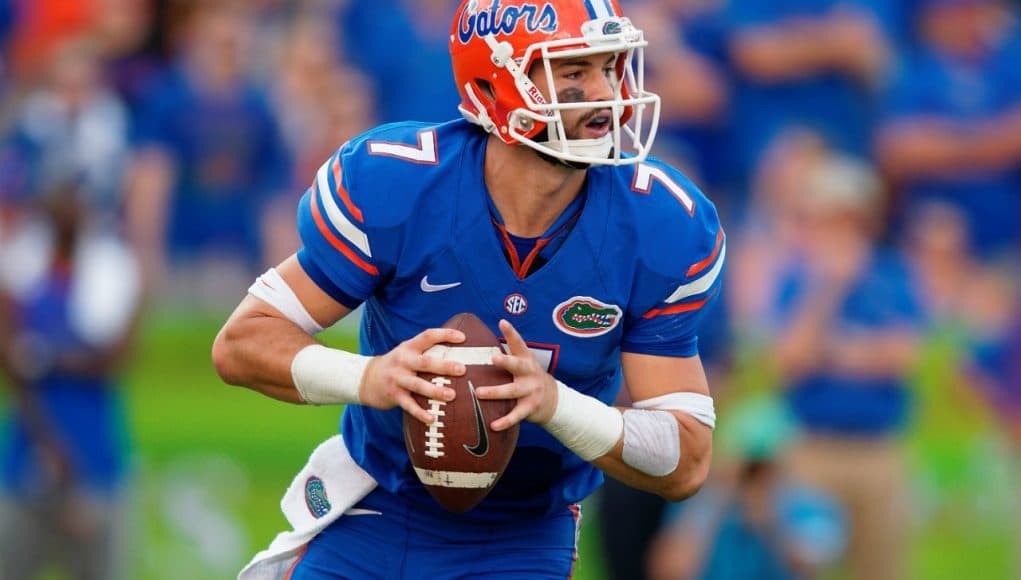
<point>273,290</point>
<point>652,442</point>
<point>695,404</point>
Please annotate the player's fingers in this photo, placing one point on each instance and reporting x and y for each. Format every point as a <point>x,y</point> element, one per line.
<point>516,415</point>
<point>430,364</point>
<point>408,403</point>
<point>514,341</point>
<point>514,365</point>
<point>505,391</point>
<point>428,389</point>
<point>429,337</point>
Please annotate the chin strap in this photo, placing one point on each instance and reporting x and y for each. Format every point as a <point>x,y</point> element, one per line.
<point>603,146</point>
<point>599,148</point>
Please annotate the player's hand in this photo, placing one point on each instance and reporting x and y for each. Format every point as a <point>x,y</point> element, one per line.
<point>533,387</point>
<point>390,379</point>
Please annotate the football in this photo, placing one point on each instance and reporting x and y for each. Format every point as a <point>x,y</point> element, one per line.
<point>459,458</point>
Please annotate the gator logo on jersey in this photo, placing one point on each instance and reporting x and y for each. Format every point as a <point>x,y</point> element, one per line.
<point>315,497</point>
<point>585,316</point>
<point>505,20</point>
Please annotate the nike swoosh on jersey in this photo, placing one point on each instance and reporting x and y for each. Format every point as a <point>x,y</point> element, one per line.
<point>427,287</point>
<point>482,446</point>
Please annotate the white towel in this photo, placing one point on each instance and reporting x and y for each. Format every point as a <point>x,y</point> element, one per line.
<point>329,484</point>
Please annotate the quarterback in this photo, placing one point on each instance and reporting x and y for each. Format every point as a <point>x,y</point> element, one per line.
<point>542,213</point>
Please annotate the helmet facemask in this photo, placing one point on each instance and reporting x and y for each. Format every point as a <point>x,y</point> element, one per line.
<point>634,113</point>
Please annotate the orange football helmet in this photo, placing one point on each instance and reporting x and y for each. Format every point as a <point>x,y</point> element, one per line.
<point>494,45</point>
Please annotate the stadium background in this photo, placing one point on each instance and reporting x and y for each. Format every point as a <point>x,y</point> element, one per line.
<point>210,462</point>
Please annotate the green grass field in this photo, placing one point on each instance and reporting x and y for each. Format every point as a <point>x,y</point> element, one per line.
<point>213,461</point>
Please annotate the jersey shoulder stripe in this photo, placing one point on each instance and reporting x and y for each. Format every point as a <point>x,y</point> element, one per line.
<point>337,218</point>
<point>338,179</point>
<point>701,265</point>
<point>680,308</point>
<point>336,242</point>
<point>702,283</point>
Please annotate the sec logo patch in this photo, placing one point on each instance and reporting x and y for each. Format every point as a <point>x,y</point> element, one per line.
<point>515,304</point>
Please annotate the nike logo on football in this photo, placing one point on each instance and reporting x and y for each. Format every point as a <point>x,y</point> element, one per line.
<point>427,287</point>
<point>482,446</point>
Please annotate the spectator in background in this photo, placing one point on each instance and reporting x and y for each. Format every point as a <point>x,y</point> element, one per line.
<point>810,63</point>
<point>41,26</point>
<point>401,46</point>
<point>751,521</point>
<point>768,236</point>
<point>131,46</point>
<point>952,129</point>
<point>993,367</point>
<point>690,73</point>
<point>63,451</point>
<point>996,369</point>
<point>209,155</point>
<point>848,328</point>
<point>320,101</point>
<point>975,304</point>
<point>73,123</point>
<point>964,295</point>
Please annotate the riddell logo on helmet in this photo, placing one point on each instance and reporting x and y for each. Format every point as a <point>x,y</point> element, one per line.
<point>505,20</point>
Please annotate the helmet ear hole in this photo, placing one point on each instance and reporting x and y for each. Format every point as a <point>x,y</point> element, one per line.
<point>486,88</point>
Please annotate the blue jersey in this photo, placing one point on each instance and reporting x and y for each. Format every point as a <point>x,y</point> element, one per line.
<point>831,103</point>
<point>883,298</point>
<point>964,92</point>
<point>228,156</point>
<point>400,219</point>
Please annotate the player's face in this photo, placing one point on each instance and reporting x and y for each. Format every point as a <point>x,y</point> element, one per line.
<point>579,80</point>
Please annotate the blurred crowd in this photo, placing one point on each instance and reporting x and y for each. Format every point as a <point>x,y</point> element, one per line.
<point>865,156</point>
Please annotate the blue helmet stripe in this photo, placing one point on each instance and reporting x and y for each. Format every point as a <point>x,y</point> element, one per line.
<point>609,8</point>
<point>590,6</point>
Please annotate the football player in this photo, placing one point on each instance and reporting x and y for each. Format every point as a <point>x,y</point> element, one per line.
<point>542,213</point>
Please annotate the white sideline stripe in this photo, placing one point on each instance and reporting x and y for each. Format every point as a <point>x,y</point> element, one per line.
<point>699,285</point>
<point>337,217</point>
<point>425,153</point>
<point>456,479</point>
<point>466,355</point>
<point>600,8</point>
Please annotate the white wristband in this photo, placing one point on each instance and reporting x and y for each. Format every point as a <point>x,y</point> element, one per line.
<point>584,424</point>
<point>325,376</point>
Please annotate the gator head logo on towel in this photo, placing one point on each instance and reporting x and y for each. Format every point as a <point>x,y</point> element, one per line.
<point>315,497</point>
